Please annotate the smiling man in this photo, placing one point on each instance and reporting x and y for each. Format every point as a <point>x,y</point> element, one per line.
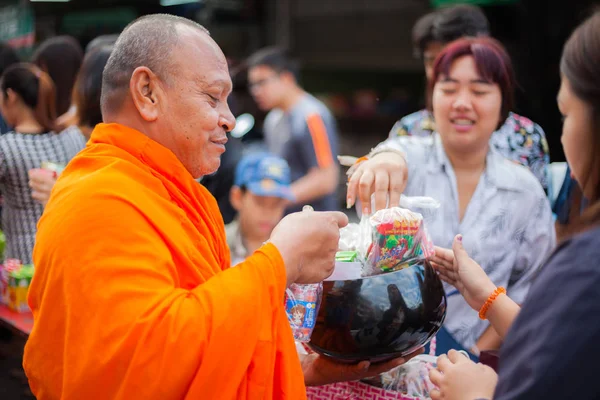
<point>133,296</point>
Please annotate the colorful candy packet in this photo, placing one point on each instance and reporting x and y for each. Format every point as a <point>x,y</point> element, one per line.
<point>399,238</point>
<point>302,305</point>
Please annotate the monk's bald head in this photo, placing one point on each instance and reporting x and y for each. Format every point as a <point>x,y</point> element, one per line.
<point>147,42</point>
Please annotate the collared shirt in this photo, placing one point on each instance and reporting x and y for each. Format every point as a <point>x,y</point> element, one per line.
<point>237,250</point>
<point>518,139</point>
<point>507,226</point>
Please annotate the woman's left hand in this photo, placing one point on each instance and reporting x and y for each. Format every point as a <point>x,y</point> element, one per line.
<point>458,378</point>
<point>319,370</point>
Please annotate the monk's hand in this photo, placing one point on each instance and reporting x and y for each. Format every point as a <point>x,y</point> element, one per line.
<point>457,378</point>
<point>41,182</point>
<point>307,242</point>
<point>319,370</point>
<point>384,175</point>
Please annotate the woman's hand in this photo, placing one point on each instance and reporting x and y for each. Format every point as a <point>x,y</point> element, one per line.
<point>319,370</point>
<point>458,378</point>
<point>384,174</point>
<point>458,269</point>
<point>41,182</point>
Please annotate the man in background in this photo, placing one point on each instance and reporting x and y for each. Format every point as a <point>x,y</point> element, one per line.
<point>299,128</point>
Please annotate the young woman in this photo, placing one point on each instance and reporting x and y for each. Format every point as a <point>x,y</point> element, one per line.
<point>553,345</point>
<point>27,103</point>
<point>498,205</point>
<point>86,102</point>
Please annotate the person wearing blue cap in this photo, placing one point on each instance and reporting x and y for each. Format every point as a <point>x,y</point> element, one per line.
<point>260,195</point>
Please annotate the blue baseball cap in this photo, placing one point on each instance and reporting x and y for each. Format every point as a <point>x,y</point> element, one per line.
<point>264,174</point>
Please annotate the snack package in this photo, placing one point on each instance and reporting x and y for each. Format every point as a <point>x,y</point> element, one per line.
<point>302,305</point>
<point>6,269</point>
<point>18,286</point>
<point>412,378</point>
<point>348,266</point>
<point>399,238</point>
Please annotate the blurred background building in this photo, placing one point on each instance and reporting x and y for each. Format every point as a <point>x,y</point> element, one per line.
<point>356,55</point>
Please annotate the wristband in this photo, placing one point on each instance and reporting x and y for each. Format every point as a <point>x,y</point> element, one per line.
<point>486,306</point>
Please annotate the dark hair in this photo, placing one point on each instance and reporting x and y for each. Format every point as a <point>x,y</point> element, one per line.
<point>422,33</point>
<point>579,64</point>
<point>459,21</point>
<point>8,57</point>
<point>101,41</point>
<point>492,63</point>
<point>276,58</point>
<point>61,58</point>
<point>35,88</point>
<point>88,86</point>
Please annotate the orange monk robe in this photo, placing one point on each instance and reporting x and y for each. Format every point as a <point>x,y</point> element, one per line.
<point>133,297</point>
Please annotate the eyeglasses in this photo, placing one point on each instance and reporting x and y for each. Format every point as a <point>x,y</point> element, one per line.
<point>261,82</point>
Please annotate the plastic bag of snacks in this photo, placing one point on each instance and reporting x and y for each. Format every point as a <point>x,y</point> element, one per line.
<point>18,286</point>
<point>399,238</point>
<point>6,269</point>
<point>411,378</point>
<point>302,304</point>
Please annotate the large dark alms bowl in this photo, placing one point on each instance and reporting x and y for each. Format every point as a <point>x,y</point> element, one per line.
<point>380,317</point>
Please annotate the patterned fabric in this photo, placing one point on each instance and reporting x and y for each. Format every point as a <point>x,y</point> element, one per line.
<point>519,139</point>
<point>353,391</point>
<point>18,154</point>
<point>507,228</point>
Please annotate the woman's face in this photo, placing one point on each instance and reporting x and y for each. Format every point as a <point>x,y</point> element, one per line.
<point>577,134</point>
<point>466,108</point>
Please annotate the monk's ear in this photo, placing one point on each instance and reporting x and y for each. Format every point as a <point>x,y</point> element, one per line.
<point>146,92</point>
<point>235,197</point>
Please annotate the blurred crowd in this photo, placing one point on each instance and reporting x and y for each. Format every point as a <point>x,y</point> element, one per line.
<point>488,166</point>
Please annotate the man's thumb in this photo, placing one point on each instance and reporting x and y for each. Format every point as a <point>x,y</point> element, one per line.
<point>459,251</point>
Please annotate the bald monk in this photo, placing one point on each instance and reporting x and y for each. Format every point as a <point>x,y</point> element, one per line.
<point>133,297</point>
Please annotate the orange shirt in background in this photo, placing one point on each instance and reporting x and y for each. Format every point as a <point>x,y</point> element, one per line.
<point>133,297</point>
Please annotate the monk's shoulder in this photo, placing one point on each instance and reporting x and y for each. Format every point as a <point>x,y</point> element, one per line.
<point>94,184</point>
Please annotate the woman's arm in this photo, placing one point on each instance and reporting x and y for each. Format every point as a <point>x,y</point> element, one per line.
<point>458,269</point>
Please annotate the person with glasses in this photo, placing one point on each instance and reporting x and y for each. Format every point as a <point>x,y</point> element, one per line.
<point>299,128</point>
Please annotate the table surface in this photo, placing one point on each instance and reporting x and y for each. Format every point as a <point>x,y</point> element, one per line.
<point>20,322</point>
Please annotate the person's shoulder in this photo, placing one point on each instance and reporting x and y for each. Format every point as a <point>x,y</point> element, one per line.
<point>522,125</point>
<point>511,175</point>
<point>574,263</point>
<point>584,248</point>
<point>95,176</point>
<point>309,105</point>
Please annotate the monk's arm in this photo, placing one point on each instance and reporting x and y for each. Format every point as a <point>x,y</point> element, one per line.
<point>135,314</point>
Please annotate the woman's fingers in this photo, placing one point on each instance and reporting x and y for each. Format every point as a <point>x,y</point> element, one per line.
<point>382,186</point>
<point>365,189</point>
<point>353,187</point>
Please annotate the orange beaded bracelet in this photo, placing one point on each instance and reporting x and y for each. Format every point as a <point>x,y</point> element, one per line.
<point>363,158</point>
<point>486,306</point>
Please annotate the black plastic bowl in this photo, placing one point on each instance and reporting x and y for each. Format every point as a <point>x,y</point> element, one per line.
<point>379,317</point>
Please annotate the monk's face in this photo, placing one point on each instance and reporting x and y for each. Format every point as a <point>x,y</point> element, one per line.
<point>196,116</point>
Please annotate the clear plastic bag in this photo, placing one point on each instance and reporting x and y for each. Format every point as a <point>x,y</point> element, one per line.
<point>302,304</point>
<point>411,378</point>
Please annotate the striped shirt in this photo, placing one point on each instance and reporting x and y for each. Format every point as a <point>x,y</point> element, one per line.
<point>18,154</point>
<point>306,137</point>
